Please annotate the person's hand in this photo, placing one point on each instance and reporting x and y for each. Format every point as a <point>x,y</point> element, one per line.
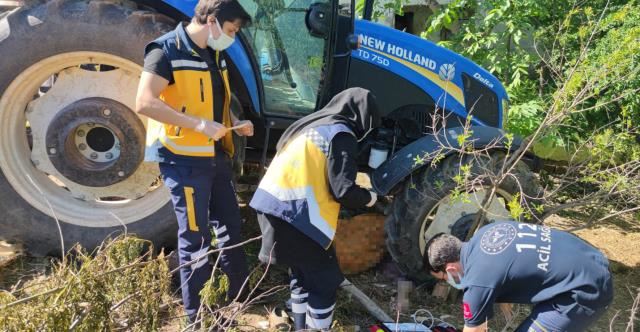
<point>212,129</point>
<point>346,214</point>
<point>380,207</point>
<point>245,128</point>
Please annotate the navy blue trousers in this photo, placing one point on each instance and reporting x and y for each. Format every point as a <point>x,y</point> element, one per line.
<point>549,317</point>
<point>204,200</point>
<point>315,273</point>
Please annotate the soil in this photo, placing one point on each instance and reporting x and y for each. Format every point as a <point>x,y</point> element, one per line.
<point>617,237</point>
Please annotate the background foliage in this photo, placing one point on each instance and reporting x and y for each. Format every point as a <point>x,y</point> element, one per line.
<point>532,46</point>
<point>572,72</point>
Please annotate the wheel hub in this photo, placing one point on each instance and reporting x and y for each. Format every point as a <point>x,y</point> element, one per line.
<point>84,142</point>
<point>462,226</point>
<point>97,143</point>
<point>97,105</point>
<point>25,121</point>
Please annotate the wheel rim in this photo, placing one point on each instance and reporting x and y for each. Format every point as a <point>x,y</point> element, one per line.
<point>449,213</point>
<point>39,181</point>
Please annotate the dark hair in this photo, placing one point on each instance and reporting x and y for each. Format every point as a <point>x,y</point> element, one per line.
<point>440,250</point>
<point>222,10</point>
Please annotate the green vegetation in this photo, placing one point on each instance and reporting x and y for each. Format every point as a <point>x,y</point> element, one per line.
<point>121,287</point>
<point>572,71</point>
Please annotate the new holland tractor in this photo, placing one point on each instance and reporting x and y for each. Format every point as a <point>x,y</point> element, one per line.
<point>71,147</point>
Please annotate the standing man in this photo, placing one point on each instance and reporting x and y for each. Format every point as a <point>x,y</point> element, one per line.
<point>566,279</point>
<point>299,198</point>
<point>185,88</point>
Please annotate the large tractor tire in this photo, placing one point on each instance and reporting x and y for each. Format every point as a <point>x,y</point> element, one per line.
<point>71,147</point>
<point>426,206</point>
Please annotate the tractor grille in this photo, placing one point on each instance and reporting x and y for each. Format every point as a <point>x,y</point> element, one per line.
<point>481,101</point>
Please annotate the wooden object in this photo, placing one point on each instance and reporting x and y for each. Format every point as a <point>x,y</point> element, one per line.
<point>8,253</point>
<point>441,291</point>
<point>6,3</point>
<point>366,302</point>
<point>359,242</point>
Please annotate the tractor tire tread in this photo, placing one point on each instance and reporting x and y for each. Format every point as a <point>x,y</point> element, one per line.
<point>424,189</point>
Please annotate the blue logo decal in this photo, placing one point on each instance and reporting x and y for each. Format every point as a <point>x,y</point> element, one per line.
<point>497,238</point>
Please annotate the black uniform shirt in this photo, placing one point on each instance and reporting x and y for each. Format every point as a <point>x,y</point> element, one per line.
<point>156,62</point>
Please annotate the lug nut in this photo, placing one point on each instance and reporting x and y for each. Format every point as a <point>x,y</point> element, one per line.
<point>80,133</point>
<point>94,155</point>
<point>109,155</point>
<point>82,146</point>
<point>106,112</point>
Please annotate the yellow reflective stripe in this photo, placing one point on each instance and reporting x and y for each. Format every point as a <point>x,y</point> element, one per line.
<point>191,212</point>
<point>447,86</point>
<point>192,150</point>
<point>539,325</point>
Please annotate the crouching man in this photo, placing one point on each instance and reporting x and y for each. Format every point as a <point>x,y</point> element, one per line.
<point>566,279</point>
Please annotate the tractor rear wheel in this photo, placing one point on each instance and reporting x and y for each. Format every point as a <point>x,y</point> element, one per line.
<point>71,147</point>
<point>427,206</point>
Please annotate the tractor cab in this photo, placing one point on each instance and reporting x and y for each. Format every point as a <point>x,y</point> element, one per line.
<point>303,52</point>
<point>289,57</point>
<point>297,53</point>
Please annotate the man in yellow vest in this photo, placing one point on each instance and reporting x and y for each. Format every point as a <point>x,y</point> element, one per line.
<point>299,198</point>
<point>185,88</point>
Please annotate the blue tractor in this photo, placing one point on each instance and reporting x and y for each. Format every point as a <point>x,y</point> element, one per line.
<point>71,148</point>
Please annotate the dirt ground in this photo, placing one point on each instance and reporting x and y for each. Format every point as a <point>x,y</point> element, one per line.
<point>618,237</point>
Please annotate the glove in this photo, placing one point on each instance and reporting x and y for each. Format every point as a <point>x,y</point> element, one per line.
<point>346,214</point>
<point>380,207</point>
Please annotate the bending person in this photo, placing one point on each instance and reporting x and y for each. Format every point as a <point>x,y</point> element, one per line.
<point>299,199</point>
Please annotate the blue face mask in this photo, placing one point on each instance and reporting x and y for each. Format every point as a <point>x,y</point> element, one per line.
<point>452,281</point>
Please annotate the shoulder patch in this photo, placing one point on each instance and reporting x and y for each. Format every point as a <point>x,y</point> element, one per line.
<point>466,310</point>
<point>497,238</point>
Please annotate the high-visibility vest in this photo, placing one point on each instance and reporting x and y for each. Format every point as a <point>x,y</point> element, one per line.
<point>191,93</point>
<point>296,188</point>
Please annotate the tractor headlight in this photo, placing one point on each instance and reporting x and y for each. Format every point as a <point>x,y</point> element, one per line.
<point>505,113</point>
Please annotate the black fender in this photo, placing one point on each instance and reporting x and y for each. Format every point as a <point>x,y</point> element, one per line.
<point>422,151</point>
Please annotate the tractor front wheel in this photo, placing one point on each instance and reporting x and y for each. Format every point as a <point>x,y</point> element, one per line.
<point>429,204</point>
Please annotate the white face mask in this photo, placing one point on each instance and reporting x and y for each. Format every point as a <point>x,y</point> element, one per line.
<point>452,281</point>
<point>223,42</point>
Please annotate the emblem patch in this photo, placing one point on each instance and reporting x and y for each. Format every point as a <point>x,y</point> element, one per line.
<point>497,238</point>
<point>466,311</point>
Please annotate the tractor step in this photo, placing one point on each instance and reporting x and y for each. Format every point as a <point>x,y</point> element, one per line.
<point>6,6</point>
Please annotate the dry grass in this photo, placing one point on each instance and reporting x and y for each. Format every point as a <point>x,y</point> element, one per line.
<point>121,287</point>
<point>86,291</point>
